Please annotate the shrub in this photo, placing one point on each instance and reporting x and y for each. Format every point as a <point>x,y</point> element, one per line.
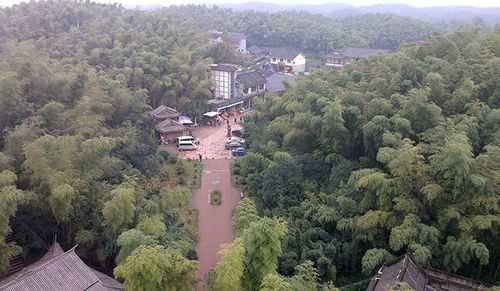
<point>215,197</point>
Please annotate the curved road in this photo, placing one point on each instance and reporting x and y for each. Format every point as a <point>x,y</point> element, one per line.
<point>215,222</point>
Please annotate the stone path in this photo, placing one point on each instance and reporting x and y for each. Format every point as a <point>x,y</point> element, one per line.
<point>215,222</point>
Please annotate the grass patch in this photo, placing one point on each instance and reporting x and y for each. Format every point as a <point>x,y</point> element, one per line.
<point>215,197</point>
<point>182,173</point>
<point>191,222</point>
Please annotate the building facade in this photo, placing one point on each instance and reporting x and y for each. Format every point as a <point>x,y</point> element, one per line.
<point>223,79</point>
<point>250,83</point>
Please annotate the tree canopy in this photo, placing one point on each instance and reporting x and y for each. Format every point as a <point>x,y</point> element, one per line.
<point>392,155</point>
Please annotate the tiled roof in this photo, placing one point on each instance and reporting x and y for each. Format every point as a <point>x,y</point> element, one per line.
<point>403,270</point>
<point>276,82</point>
<point>277,52</point>
<point>163,112</point>
<point>283,52</point>
<point>224,67</point>
<point>108,282</point>
<point>419,279</point>
<point>250,79</point>
<point>170,126</point>
<point>362,53</point>
<point>58,270</point>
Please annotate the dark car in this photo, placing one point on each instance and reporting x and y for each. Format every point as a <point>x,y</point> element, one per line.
<point>239,152</point>
<point>237,132</point>
<point>233,145</point>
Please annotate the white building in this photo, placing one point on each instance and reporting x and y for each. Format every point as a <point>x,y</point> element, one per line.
<point>287,60</point>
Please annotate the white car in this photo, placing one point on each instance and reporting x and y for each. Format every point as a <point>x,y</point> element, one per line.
<point>188,138</point>
<point>235,139</point>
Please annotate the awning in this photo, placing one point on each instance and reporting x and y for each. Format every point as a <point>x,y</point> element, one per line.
<point>211,114</point>
<point>185,120</point>
<point>229,105</point>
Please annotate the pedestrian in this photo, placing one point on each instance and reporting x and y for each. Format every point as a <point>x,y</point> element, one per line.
<point>200,157</point>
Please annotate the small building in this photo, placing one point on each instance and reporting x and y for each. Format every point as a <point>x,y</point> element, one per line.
<point>250,83</point>
<point>59,270</point>
<point>277,82</point>
<point>404,269</point>
<point>163,112</point>
<point>287,60</point>
<point>224,80</point>
<point>236,40</point>
<point>340,58</point>
<point>215,35</point>
<point>169,130</point>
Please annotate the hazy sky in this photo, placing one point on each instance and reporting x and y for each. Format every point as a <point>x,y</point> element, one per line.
<point>419,3</point>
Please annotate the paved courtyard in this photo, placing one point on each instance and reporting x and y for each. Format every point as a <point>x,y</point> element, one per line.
<point>212,141</point>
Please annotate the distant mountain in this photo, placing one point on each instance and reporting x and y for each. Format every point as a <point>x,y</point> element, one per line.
<point>451,14</point>
<point>271,7</point>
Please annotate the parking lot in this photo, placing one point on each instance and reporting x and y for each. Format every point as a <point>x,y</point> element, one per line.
<point>212,140</point>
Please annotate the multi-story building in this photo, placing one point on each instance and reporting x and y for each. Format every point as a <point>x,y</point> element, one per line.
<point>224,80</point>
<point>234,87</point>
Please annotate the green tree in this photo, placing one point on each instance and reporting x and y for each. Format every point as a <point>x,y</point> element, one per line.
<point>10,199</point>
<point>156,268</point>
<point>244,214</point>
<point>262,242</point>
<point>119,212</point>
<point>229,270</point>
<point>274,282</point>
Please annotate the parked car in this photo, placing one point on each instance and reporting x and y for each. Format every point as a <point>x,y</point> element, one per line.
<point>186,146</point>
<point>188,138</point>
<point>233,145</point>
<point>238,152</point>
<point>235,139</point>
<point>237,132</point>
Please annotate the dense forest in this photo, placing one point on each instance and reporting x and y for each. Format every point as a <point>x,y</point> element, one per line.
<point>78,157</point>
<point>312,33</point>
<point>393,155</point>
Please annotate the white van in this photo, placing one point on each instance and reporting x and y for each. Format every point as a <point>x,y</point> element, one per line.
<point>187,138</point>
<point>186,146</point>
